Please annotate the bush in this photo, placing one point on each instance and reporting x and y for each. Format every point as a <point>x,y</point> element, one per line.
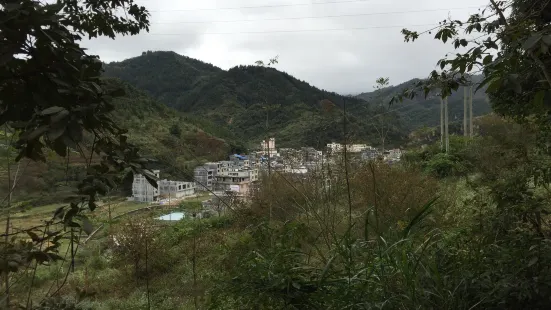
<point>445,165</point>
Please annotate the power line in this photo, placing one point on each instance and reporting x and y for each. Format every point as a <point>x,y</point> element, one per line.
<point>316,17</point>
<point>263,6</point>
<point>287,31</point>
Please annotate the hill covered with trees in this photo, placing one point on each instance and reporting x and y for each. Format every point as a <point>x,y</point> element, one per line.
<point>253,101</point>
<point>175,142</point>
<point>420,111</point>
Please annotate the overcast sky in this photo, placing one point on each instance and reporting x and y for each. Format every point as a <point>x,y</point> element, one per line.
<point>337,45</point>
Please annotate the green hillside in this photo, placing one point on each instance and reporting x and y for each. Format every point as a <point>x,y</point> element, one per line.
<point>177,142</point>
<point>163,75</point>
<point>422,111</point>
<point>244,99</point>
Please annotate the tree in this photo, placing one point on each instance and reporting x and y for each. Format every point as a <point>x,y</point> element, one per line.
<point>270,62</point>
<point>512,51</point>
<point>509,42</point>
<point>382,127</point>
<point>175,130</point>
<point>52,97</point>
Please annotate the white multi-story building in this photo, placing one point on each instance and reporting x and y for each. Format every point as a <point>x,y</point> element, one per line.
<point>142,190</point>
<point>237,180</point>
<point>393,154</point>
<point>268,147</point>
<point>176,189</point>
<point>357,148</point>
<point>334,147</point>
<point>370,154</point>
<point>351,148</point>
<point>205,176</point>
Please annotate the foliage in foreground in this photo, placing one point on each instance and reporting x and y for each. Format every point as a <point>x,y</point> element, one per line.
<point>404,240</point>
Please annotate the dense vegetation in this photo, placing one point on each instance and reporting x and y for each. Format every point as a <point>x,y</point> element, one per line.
<point>463,229</point>
<point>446,231</point>
<point>177,142</point>
<point>252,101</point>
<point>164,135</point>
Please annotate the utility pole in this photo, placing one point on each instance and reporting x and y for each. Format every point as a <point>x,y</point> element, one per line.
<point>465,131</point>
<point>441,123</point>
<point>471,111</point>
<point>447,140</point>
<point>267,141</point>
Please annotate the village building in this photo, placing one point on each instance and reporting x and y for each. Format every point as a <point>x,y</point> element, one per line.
<point>268,148</point>
<point>237,180</point>
<point>143,191</point>
<point>205,176</point>
<point>176,189</point>
<point>350,148</point>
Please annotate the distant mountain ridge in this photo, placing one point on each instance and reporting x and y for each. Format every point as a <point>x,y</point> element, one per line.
<point>252,102</point>
<point>423,111</point>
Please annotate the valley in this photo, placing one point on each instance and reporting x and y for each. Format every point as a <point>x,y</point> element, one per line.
<point>148,179</point>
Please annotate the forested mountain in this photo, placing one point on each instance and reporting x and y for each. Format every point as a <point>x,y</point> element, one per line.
<point>164,75</point>
<point>177,142</point>
<point>252,101</point>
<point>166,134</point>
<point>422,111</point>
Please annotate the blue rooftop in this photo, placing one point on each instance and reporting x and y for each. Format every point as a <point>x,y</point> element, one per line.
<point>240,156</point>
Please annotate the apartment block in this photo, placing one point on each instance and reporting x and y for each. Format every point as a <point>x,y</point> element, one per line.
<point>142,190</point>
<point>205,176</point>
<point>237,180</point>
<point>176,189</point>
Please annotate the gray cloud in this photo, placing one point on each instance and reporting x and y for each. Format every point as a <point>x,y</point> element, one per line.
<point>343,54</point>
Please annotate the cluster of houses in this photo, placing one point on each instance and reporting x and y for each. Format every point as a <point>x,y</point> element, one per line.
<point>366,152</point>
<point>240,173</point>
<point>236,175</point>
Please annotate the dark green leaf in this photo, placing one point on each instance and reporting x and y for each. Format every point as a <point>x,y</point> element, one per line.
<point>55,132</point>
<point>427,208</point>
<point>92,205</point>
<point>35,133</point>
<point>70,214</point>
<point>34,237</point>
<point>54,257</point>
<point>59,212</point>
<point>60,148</point>
<point>59,116</point>
<point>52,110</point>
<point>74,224</point>
<point>494,85</point>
